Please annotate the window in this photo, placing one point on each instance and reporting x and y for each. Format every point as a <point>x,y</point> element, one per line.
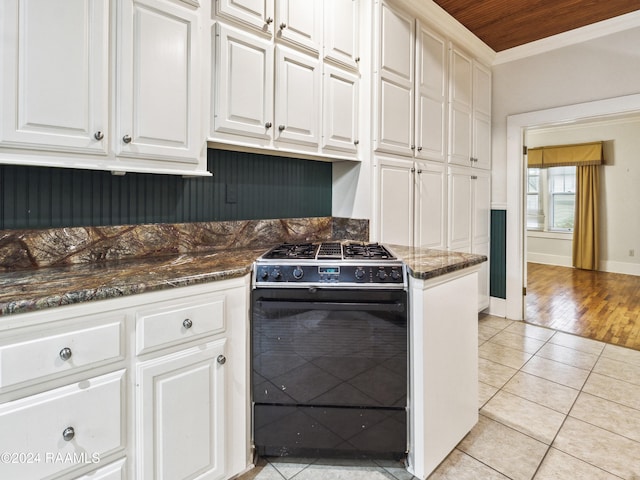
<point>551,196</point>
<point>535,212</point>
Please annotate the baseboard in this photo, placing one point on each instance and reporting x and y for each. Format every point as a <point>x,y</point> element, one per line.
<point>620,267</point>
<point>609,266</point>
<point>497,307</point>
<point>549,259</point>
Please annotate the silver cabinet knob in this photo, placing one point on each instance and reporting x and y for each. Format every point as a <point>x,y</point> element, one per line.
<point>419,149</point>
<point>98,135</point>
<point>221,359</point>
<point>126,139</point>
<point>283,26</point>
<point>419,171</point>
<point>281,127</point>
<point>413,147</point>
<point>65,353</point>
<point>68,434</point>
<point>356,142</point>
<point>268,125</point>
<point>357,59</point>
<point>187,323</point>
<point>269,21</point>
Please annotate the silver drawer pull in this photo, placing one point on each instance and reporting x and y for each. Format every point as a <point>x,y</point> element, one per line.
<point>221,359</point>
<point>65,353</point>
<point>68,434</point>
<point>187,323</point>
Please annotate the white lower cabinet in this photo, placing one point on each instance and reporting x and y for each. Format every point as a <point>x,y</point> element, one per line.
<point>63,429</point>
<point>443,367</point>
<point>148,386</point>
<point>181,413</point>
<point>411,202</point>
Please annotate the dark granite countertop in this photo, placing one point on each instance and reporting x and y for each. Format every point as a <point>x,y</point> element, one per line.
<point>426,263</point>
<point>40,288</point>
<point>36,289</point>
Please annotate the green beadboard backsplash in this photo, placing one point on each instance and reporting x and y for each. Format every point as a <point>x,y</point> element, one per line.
<point>244,186</point>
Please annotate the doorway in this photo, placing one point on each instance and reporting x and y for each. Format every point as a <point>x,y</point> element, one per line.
<point>516,218</point>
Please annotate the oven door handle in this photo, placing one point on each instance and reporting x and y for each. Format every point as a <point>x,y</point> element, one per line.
<point>334,306</point>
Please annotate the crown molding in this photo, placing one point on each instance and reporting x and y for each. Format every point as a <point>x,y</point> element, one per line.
<point>572,37</point>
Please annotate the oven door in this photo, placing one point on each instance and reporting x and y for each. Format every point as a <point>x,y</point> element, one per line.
<point>329,371</point>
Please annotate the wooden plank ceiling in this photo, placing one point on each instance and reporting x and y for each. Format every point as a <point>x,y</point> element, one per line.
<point>504,24</point>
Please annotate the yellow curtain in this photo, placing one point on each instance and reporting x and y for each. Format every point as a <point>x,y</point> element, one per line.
<point>565,155</point>
<point>586,245</point>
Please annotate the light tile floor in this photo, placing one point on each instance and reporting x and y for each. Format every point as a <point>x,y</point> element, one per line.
<point>552,406</point>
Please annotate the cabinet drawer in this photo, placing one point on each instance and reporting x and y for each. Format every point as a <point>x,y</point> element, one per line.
<point>37,356</point>
<point>174,324</point>
<point>37,428</point>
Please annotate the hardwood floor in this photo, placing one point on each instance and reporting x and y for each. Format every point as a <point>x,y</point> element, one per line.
<point>599,305</point>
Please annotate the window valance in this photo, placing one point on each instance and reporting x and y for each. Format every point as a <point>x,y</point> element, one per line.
<point>565,155</point>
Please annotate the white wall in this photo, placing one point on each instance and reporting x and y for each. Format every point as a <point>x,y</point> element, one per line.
<point>602,68</point>
<point>620,193</point>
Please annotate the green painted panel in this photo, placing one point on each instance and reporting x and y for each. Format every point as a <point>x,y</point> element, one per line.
<point>498,254</point>
<point>244,186</point>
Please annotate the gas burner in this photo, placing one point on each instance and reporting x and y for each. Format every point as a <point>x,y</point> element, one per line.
<point>367,251</point>
<point>293,251</point>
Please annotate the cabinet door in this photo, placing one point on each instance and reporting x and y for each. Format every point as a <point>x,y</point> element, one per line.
<point>158,95</point>
<point>341,32</point>
<point>395,104</point>
<point>483,276</point>
<point>431,95</point>
<point>257,14</point>
<point>55,87</point>
<point>481,116</point>
<point>460,122</point>
<point>297,115</point>
<point>180,415</point>
<point>395,201</point>
<point>300,23</point>
<point>481,201</point>
<point>243,85</point>
<point>431,205</point>
<point>460,209</point>
<point>340,110</point>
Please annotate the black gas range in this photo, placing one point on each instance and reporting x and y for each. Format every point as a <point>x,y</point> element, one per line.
<point>329,264</point>
<point>329,343</point>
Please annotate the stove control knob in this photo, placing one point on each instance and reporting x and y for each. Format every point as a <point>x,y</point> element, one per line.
<point>395,274</point>
<point>264,274</point>
<point>359,274</point>
<point>297,273</point>
<point>276,274</point>
<point>382,274</point>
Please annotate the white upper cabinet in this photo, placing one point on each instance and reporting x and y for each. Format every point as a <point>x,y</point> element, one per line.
<point>395,84</point>
<point>481,116</point>
<point>297,109</point>
<point>158,82</point>
<point>299,22</point>
<point>55,87</point>
<point>460,94</point>
<point>294,91</point>
<point>340,110</point>
<point>257,14</point>
<point>341,42</point>
<point>103,85</point>
<point>244,84</point>
<point>431,95</point>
